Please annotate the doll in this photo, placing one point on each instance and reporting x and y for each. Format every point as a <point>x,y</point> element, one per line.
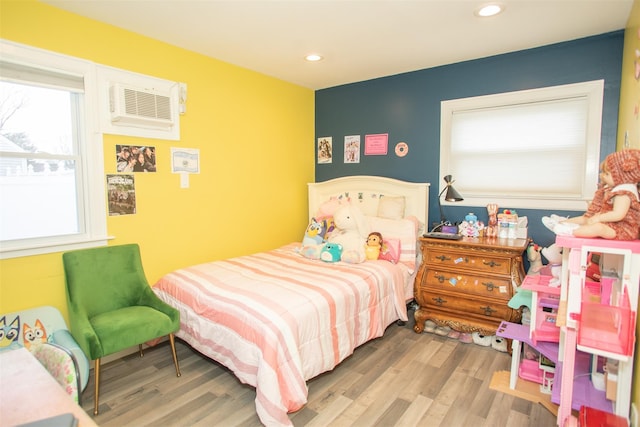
<point>492,227</point>
<point>614,212</point>
<point>374,245</point>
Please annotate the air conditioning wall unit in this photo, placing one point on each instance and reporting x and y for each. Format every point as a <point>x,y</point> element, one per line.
<point>140,107</point>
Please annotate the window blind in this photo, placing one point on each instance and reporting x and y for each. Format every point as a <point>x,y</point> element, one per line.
<point>18,73</point>
<point>530,148</point>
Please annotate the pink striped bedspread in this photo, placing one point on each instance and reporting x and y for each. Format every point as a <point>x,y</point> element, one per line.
<point>277,319</point>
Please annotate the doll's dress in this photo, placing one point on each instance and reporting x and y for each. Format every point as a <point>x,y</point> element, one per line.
<point>627,228</point>
<point>597,203</point>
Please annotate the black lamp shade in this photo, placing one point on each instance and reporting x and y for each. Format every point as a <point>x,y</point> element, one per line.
<point>451,195</point>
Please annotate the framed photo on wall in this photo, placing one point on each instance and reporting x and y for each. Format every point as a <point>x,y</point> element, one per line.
<point>135,158</point>
<point>325,149</point>
<point>185,160</point>
<point>376,145</point>
<point>352,149</point>
<point>121,192</point>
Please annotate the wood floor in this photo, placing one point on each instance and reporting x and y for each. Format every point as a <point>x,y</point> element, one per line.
<point>401,379</point>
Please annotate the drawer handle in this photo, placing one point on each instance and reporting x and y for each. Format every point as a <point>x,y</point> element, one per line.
<point>490,286</point>
<point>443,258</point>
<point>488,311</point>
<point>439,301</point>
<point>492,264</point>
<point>440,277</point>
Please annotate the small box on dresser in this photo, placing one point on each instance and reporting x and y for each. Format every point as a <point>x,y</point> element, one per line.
<point>466,284</point>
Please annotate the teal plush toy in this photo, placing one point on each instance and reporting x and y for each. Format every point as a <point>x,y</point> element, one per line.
<point>331,252</point>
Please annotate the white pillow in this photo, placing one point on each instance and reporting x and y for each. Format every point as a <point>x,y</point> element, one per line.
<point>367,202</point>
<point>401,229</point>
<point>391,207</point>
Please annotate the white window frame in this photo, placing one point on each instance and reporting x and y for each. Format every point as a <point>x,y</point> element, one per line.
<point>91,168</point>
<point>593,91</point>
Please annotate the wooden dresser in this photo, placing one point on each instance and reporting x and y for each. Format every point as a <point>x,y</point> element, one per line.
<point>466,284</point>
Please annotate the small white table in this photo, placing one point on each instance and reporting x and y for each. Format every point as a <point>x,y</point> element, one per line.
<point>29,393</point>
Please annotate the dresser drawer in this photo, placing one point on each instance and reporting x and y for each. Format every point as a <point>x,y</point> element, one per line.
<point>488,263</point>
<point>468,283</point>
<point>498,288</point>
<point>455,303</point>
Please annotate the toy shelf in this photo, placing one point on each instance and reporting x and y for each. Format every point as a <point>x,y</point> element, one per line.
<point>595,324</point>
<point>540,282</point>
<point>545,301</point>
<point>607,330</point>
<point>596,319</point>
<point>584,393</point>
<point>520,335</point>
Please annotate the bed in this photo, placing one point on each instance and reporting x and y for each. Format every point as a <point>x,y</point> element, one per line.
<point>277,319</point>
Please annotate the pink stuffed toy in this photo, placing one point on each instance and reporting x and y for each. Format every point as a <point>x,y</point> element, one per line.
<point>492,225</point>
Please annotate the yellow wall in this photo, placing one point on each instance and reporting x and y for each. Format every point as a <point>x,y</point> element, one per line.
<point>629,115</point>
<point>255,135</point>
<point>629,121</point>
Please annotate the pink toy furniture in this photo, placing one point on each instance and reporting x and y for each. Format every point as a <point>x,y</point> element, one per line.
<point>596,321</point>
<point>545,300</point>
<point>594,326</point>
<point>527,369</point>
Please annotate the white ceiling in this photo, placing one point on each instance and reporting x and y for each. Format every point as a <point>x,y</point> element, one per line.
<point>359,39</point>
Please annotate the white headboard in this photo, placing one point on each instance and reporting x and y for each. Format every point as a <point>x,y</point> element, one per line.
<point>416,194</point>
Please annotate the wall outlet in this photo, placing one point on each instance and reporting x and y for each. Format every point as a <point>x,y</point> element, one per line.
<point>634,415</point>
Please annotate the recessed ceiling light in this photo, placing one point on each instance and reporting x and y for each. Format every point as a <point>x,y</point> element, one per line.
<point>490,9</point>
<point>314,57</point>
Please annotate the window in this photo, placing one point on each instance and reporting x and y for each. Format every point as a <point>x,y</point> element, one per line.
<point>535,149</point>
<point>51,167</point>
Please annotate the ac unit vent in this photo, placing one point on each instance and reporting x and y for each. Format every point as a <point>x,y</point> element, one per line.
<point>140,107</point>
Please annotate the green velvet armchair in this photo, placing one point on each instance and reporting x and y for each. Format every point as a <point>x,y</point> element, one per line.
<point>111,305</point>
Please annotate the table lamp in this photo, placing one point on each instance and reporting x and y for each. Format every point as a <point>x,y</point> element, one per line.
<point>450,195</point>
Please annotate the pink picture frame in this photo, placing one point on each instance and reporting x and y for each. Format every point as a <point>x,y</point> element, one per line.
<point>376,144</point>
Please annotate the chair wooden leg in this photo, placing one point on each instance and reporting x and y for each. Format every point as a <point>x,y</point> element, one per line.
<point>173,351</point>
<point>140,350</point>
<point>96,371</point>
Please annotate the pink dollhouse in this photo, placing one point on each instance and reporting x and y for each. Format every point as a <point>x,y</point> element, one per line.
<point>581,334</point>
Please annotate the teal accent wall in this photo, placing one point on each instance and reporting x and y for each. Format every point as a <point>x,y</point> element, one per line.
<point>407,107</point>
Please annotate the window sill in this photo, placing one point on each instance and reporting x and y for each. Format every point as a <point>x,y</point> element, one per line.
<point>7,252</point>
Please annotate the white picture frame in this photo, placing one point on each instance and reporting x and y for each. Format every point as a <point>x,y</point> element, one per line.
<point>185,160</point>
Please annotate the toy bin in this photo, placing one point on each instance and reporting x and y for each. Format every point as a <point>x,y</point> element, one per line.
<point>606,328</point>
<point>591,417</point>
<point>530,370</point>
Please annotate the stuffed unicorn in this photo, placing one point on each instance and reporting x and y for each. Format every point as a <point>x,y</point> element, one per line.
<point>351,230</point>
